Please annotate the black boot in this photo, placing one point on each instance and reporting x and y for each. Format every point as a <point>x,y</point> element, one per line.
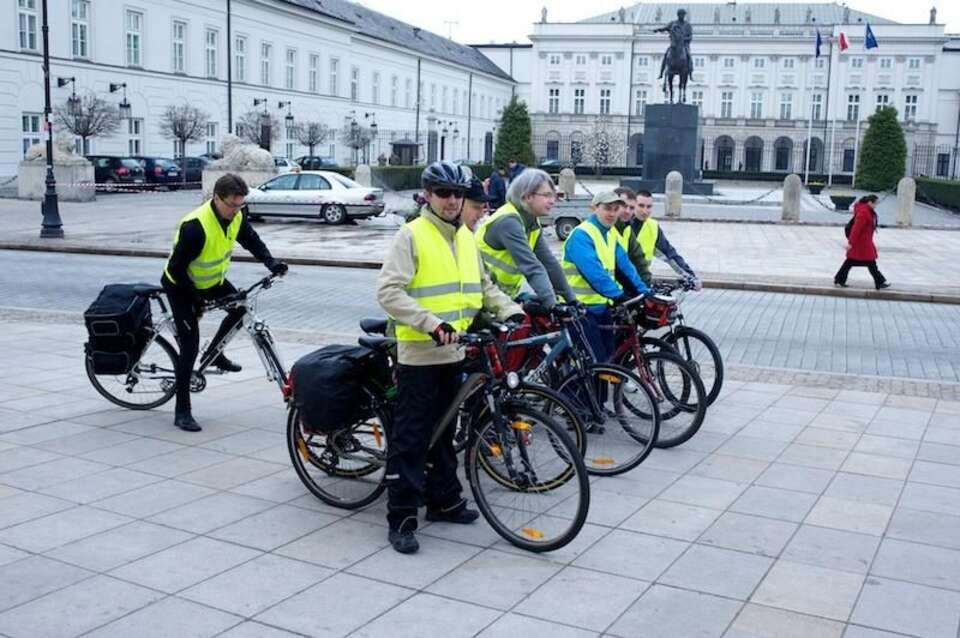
<point>461,515</point>
<point>226,364</point>
<point>403,541</point>
<point>186,422</point>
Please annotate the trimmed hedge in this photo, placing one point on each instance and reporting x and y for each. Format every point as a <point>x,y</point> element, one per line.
<point>941,192</point>
<point>401,178</point>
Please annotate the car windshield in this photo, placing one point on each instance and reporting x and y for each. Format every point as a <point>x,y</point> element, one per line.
<point>345,181</point>
<point>130,163</point>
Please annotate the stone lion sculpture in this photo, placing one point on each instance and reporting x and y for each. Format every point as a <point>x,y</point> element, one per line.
<point>238,156</point>
<point>62,151</point>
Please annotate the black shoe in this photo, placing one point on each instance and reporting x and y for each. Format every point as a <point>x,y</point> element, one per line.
<point>226,364</point>
<point>885,284</point>
<point>839,285</point>
<point>460,516</point>
<point>186,422</point>
<point>403,541</point>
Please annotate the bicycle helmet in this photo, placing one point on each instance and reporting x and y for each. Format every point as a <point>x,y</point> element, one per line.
<point>444,174</point>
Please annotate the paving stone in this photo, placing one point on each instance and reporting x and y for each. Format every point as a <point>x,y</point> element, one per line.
<point>676,520</point>
<point>170,617</point>
<point>931,612</point>
<point>813,456</point>
<point>774,503</point>
<point>752,447</point>
<point>756,621</point>
<point>807,589</point>
<point>632,555</point>
<point>832,548</point>
<point>512,625</point>
<point>823,437</point>
<point>131,452</point>
<point>903,416</point>
<point>925,527</point>
<point>97,486</point>
<point>873,465</point>
<point>495,579</point>
<point>705,492</point>
<point>838,513</point>
<point>181,462</point>
<point>10,554</point>
<point>153,499</point>
<point>795,477</point>
<point>25,506</point>
<point>51,473</point>
<point>43,534</point>
<point>93,439</point>
<point>667,611</point>
<point>865,489</point>
<point>339,544</point>
<point>39,433</point>
<point>913,432</point>
<point>272,528</point>
<point>887,446</point>
<point>773,430</point>
<point>752,534</point>
<point>423,613</point>
<point>939,453</point>
<point>118,546</point>
<point>32,577</point>
<point>922,564</point>
<point>729,468</point>
<point>232,473</point>
<point>209,513</point>
<point>931,498</point>
<point>714,570</point>
<point>408,571</point>
<point>250,629</point>
<point>936,474</point>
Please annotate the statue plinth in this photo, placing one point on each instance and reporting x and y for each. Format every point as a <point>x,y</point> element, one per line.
<point>671,142</point>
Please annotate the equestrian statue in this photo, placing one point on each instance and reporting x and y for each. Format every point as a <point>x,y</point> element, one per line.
<point>677,61</point>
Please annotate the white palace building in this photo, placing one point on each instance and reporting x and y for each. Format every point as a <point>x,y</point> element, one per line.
<point>756,80</point>
<point>334,62</point>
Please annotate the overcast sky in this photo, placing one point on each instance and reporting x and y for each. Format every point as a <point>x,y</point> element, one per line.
<point>509,20</point>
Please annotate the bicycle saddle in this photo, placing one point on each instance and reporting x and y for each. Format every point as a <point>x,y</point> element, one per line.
<point>374,325</point>
<point>145,290</point>
<point>377,344</point>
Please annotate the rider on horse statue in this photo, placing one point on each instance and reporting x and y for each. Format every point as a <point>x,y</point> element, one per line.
<point>677,59</point>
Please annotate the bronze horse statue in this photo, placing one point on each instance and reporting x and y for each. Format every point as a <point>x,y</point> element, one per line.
<point>677,61</point>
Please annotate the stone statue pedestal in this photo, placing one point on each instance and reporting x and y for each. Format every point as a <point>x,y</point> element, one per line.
<point>671,142</point>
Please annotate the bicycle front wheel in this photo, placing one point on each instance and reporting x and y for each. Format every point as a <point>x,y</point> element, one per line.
<point>150,383</point>
<point>544,504</point>
<point>703,354</point>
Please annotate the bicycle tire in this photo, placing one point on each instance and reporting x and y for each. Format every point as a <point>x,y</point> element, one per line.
<point>607,457</point>
<point>523,534</point>
<point>679,339</point>
<point>302,453</point>
<point>168,381</point>
<point>692,398</point>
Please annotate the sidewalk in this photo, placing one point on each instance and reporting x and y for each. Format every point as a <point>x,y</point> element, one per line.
<point>798,510</point>
<point>921,264</point>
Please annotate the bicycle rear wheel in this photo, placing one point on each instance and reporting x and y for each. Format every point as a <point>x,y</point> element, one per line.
<point>702,353</point>
<point>620,414</point>
<point>343,468</point>
<point>151,383</point>
<point>536,510</point>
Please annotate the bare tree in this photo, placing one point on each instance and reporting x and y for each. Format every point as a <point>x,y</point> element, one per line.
<point>184,123</point>
<point>356,137</point>
<point>312,134</point>
<point>96,118</point>
<point>250,128</point>
<point>603,146</point>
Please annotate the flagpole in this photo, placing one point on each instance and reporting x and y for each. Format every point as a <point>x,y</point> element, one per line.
<point>806,154</point>
<point>833,132</point>
<point>826,112</point>
<point>856,151</point>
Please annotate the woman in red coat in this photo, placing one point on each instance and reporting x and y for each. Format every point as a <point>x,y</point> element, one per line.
<point>861,251</point>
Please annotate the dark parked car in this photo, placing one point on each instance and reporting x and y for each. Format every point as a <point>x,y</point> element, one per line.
<point>194,168</point>
<point>315,163</point>
<point>161,171</point>
<point>111,170</point>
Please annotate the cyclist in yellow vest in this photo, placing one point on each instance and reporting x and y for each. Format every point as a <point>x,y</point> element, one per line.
<point>592,261</point>
<point>196,272</point>
<point>628,236</point>
<point>513,247</point>
<point>654,242</point>
<point>433,284</point>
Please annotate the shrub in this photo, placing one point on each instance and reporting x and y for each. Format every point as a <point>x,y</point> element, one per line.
<point>941,192</point>
<point>883,154</point>
<point>514,135</point>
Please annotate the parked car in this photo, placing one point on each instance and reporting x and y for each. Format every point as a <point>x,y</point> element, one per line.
<point>194,168</point>
<point>160,171</point>
<point>111,170</point>
<point>324,194</point>
<point>554,165</point>
<point>315,163</point>
<point>285,165</point>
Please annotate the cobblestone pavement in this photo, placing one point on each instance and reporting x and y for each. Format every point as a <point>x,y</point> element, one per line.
<point>824,334</point>
<point>795,511</point>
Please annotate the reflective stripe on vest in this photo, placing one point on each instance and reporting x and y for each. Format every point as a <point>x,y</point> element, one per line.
<point>624,237</point>
<point>446,285</point>
<point>500,263</point>
<point>607,254</point>
<point>211,265</point>
<point>648,237</point>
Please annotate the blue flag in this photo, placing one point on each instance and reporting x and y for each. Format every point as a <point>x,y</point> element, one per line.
<point>869,40</point>
<point>820,42</point>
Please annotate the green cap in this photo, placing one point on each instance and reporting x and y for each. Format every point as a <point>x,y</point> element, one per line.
<point>606,197</point>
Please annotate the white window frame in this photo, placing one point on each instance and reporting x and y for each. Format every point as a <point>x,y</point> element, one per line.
<point>210,141</point>
<point>886,63</point>
<point>729,62</point>
<point>444,99</point>
<point>313,73</point>
<point>408,93</point>
<point>455,105</point>
<point>554,59</point>
<point>375,87</point>
<point>135,136</point>
<point>856,62</point>
<point>553,100</point>
<point>290,69</point>
<point>354,84</point>
<point>178,46</point>
<point>395,90</point>
<point>820,63</point>
<point>605,101</point>
<point>786,106</point>
<point>697,98</point>
<point>643,61</point>
<point>579,100</point>
<point>27,24</point>
<point>913,64</point>
<point>726,104</point>
<point>133,32</point>
<point>433,96</point>
<point>759,63</point>
<point>211,57</point>
<point>580,59</point>
<point>911,103</point>
<point>699,62</point>
<point>334,76</point>
<point>240,58</point>
<point>80,29</point>
<point>816,106</point>
<point>853,107</point>
<point>883,99</point>
<point>756,105</point>
<point>639,102</point>
<point>30,130</point>
<point>606,59</point>
<point>266,63</point>
<point>789,63</point>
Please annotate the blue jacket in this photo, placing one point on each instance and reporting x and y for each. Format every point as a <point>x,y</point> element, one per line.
<point>580,251</point>
<point>516,170</point>
<point>498,191</point>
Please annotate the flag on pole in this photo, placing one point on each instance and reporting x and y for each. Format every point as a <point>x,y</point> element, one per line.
<point>869,40</point>
<point>844,43</point>
<point>819,43</point>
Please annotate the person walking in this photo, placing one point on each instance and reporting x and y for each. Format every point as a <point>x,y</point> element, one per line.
<point>497,189</point>
<point>433,284</point>
<point>861,249</point>
<point>196,272</point>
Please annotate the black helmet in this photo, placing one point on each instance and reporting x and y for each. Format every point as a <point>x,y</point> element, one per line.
<point>444,174</point>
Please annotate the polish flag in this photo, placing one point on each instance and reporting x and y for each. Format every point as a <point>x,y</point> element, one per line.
<point>844,43</point>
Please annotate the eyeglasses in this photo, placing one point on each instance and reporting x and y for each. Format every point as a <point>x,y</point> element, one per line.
<point>444,193</point>
<point>549,194</point>
<point>236,202</point>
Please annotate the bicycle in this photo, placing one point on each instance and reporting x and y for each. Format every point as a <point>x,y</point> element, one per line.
<point>525,473</point>
<point>151,382</point>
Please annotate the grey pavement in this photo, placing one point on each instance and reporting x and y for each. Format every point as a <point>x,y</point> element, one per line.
<point>766,330</point>
<point>918,262</point>
<point>796,511</point>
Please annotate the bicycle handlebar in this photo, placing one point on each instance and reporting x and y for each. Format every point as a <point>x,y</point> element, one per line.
<point>241,295</point>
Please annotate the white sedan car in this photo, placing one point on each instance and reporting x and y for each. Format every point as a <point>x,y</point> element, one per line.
<point>324,194</point>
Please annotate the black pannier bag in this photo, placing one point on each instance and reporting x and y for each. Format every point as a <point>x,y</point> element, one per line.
<point>327,385</point>
<point>118,327</point>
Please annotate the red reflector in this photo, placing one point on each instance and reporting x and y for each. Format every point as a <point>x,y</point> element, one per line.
<point>157,170</point>
<point>123,170</point>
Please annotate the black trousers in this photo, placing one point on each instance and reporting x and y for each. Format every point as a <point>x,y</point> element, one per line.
<point>416,476</point>
<point>185,317</point>
<point>871,265</point>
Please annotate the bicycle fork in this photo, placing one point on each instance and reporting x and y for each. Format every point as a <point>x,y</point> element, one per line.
<point>519,431</point>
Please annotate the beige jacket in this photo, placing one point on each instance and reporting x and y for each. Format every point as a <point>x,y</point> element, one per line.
<point>399,267</point>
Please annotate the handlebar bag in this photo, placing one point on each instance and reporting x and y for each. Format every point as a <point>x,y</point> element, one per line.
<point>328,386</point>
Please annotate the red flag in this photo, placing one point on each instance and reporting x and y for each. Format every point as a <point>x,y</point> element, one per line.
<point>844,44</point>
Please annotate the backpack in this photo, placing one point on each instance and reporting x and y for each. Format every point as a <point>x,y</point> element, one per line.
<point>848,227</point>
<point>118,329</point>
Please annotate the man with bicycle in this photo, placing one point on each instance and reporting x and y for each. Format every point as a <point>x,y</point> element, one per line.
<point>653,242</point>
<point>433,284</point>
<point>196,273</point>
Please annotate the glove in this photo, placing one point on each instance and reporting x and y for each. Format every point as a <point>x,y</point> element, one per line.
<point>536,309</point>
<point>621,299</point>
<point>277,267</point>
<point>443,334</point>
<point>517,319</point>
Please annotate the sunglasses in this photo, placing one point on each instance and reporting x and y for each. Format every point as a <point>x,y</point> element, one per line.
<point>444,193</point>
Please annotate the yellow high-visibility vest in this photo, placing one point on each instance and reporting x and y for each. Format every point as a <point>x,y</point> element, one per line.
<point>209,269</point>
<point>606,252</point>
<point>447,285</point>
<point>500,263</point>
<point>624,237</point>
<point>648,237</point>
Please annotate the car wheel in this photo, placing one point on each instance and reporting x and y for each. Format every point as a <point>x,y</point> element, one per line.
<point>565,226</point>
<point>172,187</point>
<point>334,214</point>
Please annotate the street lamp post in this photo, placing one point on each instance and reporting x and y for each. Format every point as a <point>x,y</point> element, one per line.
<point>51,226</point>
<point>124,106</point>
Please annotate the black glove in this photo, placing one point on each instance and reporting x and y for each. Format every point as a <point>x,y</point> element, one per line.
<point>198,305</point>
<point>536,309</point>
<point>277,267</point>
<point>621,299</point>
<point>517,319</point>
<point>443,328</point>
